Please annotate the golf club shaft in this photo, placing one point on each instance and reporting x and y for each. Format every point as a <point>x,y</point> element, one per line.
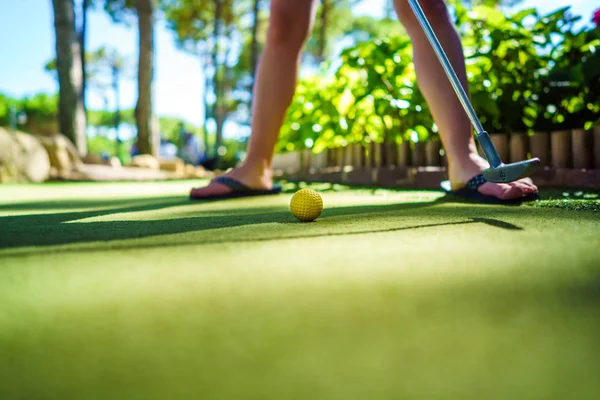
<point>439,51</point>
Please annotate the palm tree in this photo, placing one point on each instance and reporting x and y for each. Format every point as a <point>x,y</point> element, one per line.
<point>71,114</point>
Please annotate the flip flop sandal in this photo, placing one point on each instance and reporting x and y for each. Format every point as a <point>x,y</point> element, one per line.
<point>238,190</point>
<point>470,193</point>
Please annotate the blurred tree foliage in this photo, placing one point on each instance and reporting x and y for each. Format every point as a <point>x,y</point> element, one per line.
<point>334,18</point>
<point>40,112</point>
<point>144,11</point>
<point>526,72</point>
<point>209,29</point>
<point>540,67</point>
<point>228,36</point>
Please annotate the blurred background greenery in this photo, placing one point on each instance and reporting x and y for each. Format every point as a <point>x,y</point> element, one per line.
<point>528,71</point>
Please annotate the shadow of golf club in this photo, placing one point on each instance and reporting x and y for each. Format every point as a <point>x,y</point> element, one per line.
<point>487,221</point>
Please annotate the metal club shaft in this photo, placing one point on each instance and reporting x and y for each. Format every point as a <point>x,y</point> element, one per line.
<point>439,51</point>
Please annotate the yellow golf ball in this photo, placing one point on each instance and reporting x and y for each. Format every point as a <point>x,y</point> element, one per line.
<point>306,205</point>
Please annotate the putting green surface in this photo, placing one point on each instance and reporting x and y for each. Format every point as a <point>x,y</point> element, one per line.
<point>131,291</point>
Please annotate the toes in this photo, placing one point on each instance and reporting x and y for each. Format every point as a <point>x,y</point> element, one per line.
<point>506,191</point>
<point>510,192</point>
<point>526,185</point>
<point>526,180</point>
<point>515,190</point>
<point>533,187</point>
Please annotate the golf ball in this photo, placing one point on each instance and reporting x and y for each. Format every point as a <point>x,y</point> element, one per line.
<point>306,205</point>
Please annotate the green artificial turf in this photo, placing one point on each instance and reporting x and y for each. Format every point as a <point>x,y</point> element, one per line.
<point>131,291</point>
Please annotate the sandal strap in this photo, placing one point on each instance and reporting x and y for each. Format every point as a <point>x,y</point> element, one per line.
<point>475,182</point>
<point>231,183</point>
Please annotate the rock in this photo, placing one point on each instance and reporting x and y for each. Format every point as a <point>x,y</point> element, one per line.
<point>198,172</point>
<point>115,162</point>
<point>207,175</point>
<point>34,163</point>
<point>145,161</point>
<point>90,172</point>
<point>62,160</point>
<point>95,159</point>
<point>22,158</point>
<point>202,173</point>
<point>192,172</point>
<point>175,166</point>
<point>8,173</point>
<point>189,171</point>
<point>7,147</point>
<point>54,173</point>
<point>62,153</point>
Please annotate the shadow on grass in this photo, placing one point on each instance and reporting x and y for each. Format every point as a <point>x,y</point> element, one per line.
<point>71,204</point>
<point>62,228</point>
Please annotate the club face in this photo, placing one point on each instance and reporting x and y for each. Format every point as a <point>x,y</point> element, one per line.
<point>511,172</point>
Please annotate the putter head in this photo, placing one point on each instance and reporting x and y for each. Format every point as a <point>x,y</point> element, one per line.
<point>511,172</point>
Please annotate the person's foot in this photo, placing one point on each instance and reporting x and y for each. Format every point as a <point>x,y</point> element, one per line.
<point>461,172</point>
<point>251,177</point>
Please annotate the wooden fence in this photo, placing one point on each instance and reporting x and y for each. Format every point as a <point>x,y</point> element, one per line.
<point>569,159</point>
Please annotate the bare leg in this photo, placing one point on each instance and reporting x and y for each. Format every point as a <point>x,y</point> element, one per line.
<point>289,26</point>
<point>454,126</point>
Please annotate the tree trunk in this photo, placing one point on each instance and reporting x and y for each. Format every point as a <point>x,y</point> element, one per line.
<point>143,109</point>
<point>117,115</point>
<point>71,115</point>
<point>81,36</point>
<point>218,77</point>
<point>254,48</point>
<point>207,150</point>
<point>325,6</point>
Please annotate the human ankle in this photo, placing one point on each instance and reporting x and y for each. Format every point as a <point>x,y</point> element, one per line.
<point>463,169</point>
<point>258,167</point>
<point>467,161</point>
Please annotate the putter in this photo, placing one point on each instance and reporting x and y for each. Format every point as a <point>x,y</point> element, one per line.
<point>498,172</point>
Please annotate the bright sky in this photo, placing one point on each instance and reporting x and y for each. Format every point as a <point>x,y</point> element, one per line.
<point>28,43</point>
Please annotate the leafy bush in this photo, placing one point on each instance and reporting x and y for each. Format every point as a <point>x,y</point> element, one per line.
<point>41,110</point>
<point>537,66</point>
<point>526,72</point>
